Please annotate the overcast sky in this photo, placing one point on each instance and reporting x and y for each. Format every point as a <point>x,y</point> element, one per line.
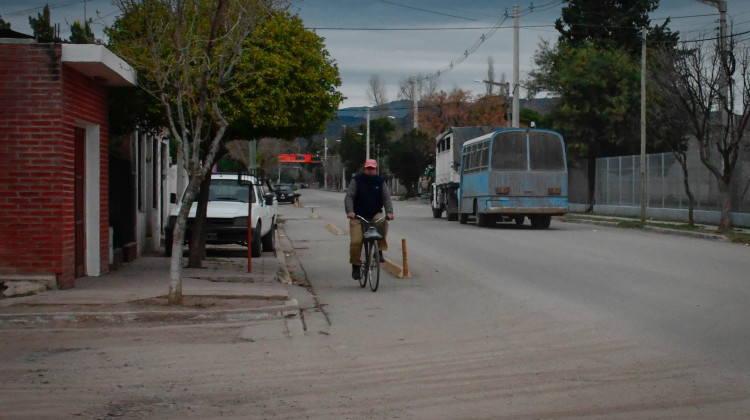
<point>398,38</point>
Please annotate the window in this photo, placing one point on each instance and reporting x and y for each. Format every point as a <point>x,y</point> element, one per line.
<point>546,152</point>
<point>509,151</point>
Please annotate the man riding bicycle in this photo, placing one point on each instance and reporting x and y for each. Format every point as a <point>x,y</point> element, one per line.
<point>366,196</point>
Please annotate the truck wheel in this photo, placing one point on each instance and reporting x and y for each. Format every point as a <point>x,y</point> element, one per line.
<point>519,220</point>
<point>463,218</point>
<point>483,220</point>
<point>436,213</point>
<point>452,217</point>
<point>269,241</point>
<point>255,245</point>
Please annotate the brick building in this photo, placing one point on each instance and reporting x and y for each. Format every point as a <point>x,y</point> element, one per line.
<point>54,198</point>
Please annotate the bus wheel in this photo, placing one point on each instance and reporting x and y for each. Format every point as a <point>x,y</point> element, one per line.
<point>540,221</point>
<point>463,218</point>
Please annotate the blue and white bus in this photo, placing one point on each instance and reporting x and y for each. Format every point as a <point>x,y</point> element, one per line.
<point>511,174</point>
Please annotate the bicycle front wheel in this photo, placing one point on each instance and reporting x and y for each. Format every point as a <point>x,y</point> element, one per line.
<point>363,266</point>
<point>374,267</point>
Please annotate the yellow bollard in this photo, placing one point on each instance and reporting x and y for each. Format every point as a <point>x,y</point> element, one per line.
<point>406,265</point>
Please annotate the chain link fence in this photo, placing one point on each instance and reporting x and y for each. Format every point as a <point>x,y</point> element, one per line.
<point>618,184</point>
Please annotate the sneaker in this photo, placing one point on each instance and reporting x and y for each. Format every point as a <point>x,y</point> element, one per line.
<point>355,272</point>
<point>380,254</point>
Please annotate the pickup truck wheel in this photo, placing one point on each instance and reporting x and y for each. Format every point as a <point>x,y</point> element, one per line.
<point>269,241</point>
<point>255,244</point>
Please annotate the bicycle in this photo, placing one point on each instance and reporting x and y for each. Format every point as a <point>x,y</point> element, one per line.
<point>370,260</point>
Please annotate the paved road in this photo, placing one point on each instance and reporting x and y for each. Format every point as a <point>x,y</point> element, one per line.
<point>572,322</point>
<point>601,315</point>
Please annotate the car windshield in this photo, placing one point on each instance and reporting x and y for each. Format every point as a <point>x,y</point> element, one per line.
<point>228,190</point>
<point>285,188</point>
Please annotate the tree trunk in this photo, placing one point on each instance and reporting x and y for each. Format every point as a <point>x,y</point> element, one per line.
<point>198,239</point>
<point>725,221</point>
<point>682,160</point>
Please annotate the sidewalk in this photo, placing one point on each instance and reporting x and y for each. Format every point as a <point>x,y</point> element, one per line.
<point>702,230</point>
<point>222,290</point>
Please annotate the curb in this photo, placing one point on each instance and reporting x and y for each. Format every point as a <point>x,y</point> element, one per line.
<point>77,319</point>
<point>615,224</point>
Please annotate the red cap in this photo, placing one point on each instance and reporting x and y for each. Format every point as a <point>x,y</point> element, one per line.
<point>371,163</point>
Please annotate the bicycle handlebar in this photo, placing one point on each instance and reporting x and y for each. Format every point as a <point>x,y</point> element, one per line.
<point>369,222</point>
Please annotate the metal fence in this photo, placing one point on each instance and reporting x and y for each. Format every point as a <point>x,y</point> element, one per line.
<point>618,183</point>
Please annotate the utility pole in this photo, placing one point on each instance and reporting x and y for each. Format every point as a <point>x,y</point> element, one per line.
<point>325,162</point>
<point>516,87</point>
<point>416,108</point>
<point>643,126</point>
<point>721,5</point>
<point>367,151</point>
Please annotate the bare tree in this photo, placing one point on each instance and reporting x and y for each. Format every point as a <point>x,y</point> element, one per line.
<point>702,84</point>
<point>490,85</point>
<point>186,52</point>
<point>376,94</point>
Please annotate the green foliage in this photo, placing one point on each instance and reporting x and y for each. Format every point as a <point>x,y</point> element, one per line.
<point>408,158</point>
<point>81,34</point>
<point>595,70</point>
<point>131,108</point>
<point>352,151</point>
<point>599,99</point>
<point>291,88</point>
<point>4,24</point>
<point>610,24</point>
<point>43,30</point>
<point>527,116</point>
<point>381,131</point>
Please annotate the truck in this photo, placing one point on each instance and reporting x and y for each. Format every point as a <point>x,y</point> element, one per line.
<point>446,177</point>
<point>227,215</point>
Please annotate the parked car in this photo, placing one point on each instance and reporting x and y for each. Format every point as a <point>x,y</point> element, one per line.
<point>286,192</point>
<point>227,215</point>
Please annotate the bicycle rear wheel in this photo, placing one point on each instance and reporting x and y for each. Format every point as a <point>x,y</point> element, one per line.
<point>374,267</point>
<point>363,266</point>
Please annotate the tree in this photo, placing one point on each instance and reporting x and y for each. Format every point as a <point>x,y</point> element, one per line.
<point>81,33</point>
<point>701,83</point>
<point>4,24</point>
<point>289,91</point>
<point>352,150</point>
<point>490,81</point>
<point>43,30</point>
<point>189,50</point>
<point>376,94</point>
<point>291,84</point>
<point>409,156</point>
<point>457,108</point>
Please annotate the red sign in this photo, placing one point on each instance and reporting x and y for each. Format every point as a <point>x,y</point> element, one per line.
<point>295,158</point>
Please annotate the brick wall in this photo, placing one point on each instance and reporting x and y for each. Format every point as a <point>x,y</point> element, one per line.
<point>40,103</point>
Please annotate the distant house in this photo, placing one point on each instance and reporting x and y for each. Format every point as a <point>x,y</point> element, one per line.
<point>54,163</point>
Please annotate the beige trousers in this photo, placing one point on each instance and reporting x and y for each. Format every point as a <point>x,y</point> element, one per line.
<point>355,234</point>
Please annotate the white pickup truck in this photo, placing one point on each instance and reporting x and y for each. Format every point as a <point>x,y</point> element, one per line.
<point>227,218</point>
